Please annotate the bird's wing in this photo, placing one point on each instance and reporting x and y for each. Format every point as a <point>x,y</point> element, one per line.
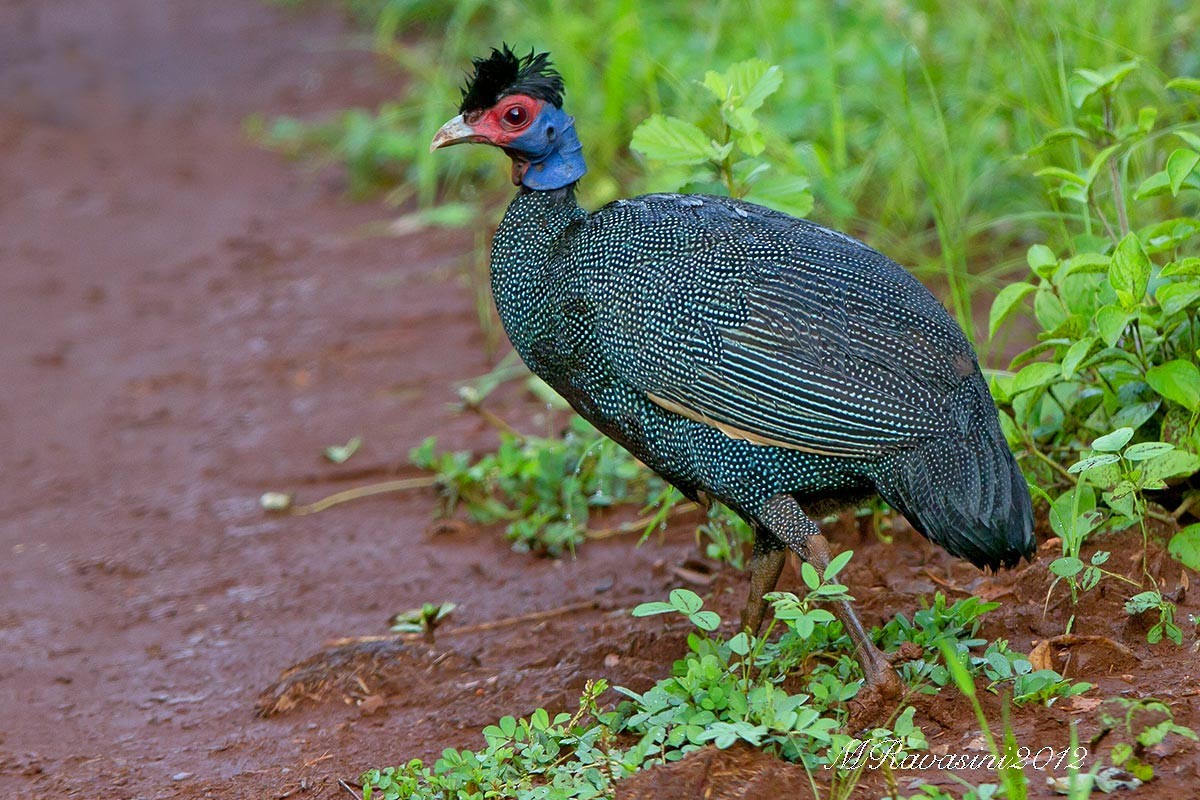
<point>778,331</point>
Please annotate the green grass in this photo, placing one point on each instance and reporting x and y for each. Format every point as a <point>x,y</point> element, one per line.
<point>910,118</point>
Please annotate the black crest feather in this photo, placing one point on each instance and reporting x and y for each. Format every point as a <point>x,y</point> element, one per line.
<point>504,73</point>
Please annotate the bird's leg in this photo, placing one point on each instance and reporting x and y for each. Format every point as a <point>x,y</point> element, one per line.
<point>788,522</point>
<point>876,666</point>
<point>765,566</point>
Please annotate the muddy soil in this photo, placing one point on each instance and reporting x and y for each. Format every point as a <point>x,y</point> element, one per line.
<point>186,322</point>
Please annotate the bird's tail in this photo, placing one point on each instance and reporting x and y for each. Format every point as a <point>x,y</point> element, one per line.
<point>964,491</point>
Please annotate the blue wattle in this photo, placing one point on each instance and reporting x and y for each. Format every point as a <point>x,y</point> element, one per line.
<point>552,149</point>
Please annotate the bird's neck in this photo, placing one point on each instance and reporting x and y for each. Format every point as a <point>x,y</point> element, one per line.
<point>536,224</point>
<point>550,155</point>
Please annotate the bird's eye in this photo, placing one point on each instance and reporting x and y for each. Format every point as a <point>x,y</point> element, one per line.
<point>515,116</point>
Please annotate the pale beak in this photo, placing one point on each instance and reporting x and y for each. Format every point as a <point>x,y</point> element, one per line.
<point>456,131</point>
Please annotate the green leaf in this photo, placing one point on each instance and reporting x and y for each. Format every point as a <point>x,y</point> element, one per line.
<point>1144,451</point>
<point>1170,465</point>
<point>752,82</point>
<point>715,83</point>
<point>706,620</point>
<point>1080,89</point>
<point>1186,266</point>
<point>837,564</point>
<point>1086,82</point>
<point>1156,184</point>
<point>1113,442</point>
<point>1111,322</point>
<point>1130,274</point>
<point>1177,381</point>
<point>1175,297</point>
<point>1185,84</point>
<point>1035,375</point>
<point>740,644</point>
<point>1086,263</point>
<point>1143,602</point>
<point>1179,166</point>
<point>1135,415</point>
<point>685,601</point>
<point>786,193</point>
<point>1185,547</point>
<point>1076,353</point>
<point>1006,302</point>
<point>1041,260</point>
<point>809,573</point>
<point>1147,115</point>
<point>1099,162</point>
<point>1091,462</point>
<point>1049,309</point>
<point>750,142</point>
<point>650,609</point>
<point>1066,567</point>
<point>1061,174</point>
<point>1192,139</point>
<point>672,141</point>
<point>1061,134</point>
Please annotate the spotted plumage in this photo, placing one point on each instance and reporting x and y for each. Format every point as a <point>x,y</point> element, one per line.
<point>748,357</point>
<point>767,355</point>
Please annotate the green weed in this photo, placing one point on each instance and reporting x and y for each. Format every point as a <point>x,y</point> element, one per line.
<point>730,154</point>
<point>544,488</point>
<point>1140,724</point>
<point>723,691</point>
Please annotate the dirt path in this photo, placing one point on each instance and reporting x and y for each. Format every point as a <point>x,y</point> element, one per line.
<point>186,322</point>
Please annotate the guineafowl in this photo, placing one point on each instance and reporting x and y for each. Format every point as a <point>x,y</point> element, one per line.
<point>748,357</point>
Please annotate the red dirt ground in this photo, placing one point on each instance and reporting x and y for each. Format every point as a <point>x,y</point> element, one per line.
<point>185,323</point>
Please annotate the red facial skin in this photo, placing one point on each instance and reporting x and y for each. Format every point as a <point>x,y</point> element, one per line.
<point>505,121</point>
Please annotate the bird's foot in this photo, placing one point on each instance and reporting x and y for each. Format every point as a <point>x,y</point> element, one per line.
<point>881,689</point>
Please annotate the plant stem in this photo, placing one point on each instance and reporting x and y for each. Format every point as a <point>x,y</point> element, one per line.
<point>1115,173</point>
<point>346,496</point>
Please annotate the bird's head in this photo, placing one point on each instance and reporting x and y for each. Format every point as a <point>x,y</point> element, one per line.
<point>515,103</point>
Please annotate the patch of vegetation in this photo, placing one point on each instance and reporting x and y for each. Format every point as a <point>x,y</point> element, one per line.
<point>724,691</point>
<point>1117,314</point>
<point>1139,724</point>
<point>425,619</point>
<point>729,155</point>
<point>547,489</point>
<point>544,488</point>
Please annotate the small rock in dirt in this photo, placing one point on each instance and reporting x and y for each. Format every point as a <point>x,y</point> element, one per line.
<point>181,776</point>
<point>611,660</point>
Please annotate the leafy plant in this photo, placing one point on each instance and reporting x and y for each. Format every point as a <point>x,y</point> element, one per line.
<point>730,149</point>
<point>722,692</point>
<point>1141,723</point>
<point>957,623</point>
<point>1118,317</point>
<point>567,756</point>
<point>1003,667</point>
<point>424,620</point>
<point>1154,601</point>
<point>544,488</point>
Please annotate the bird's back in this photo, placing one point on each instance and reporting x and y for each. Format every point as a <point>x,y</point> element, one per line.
<point>722,341</point>
<point>735,309</point>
